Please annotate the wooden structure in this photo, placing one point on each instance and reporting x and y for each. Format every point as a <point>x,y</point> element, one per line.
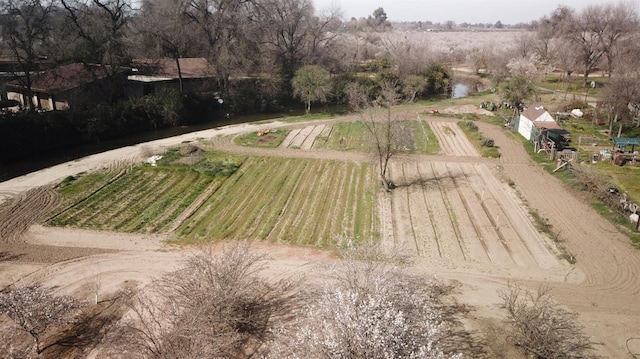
<point>538,126</point>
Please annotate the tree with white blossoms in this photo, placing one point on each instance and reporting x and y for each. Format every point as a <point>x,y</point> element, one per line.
<point>370,309</point>
<point>34,309</point>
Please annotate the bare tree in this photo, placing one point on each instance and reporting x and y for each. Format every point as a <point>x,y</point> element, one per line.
<point>165,27</point>
<point>585,32</point>
<point>26,33</point>
<point>382,128</point>
<point>230,33</point>
<point>542,327</point>
<point>100,29</point>
<point>215,306</point>
<point>35,309</point>
<point>286,25</point>
<point>621,20</point>
<point>622,95</point>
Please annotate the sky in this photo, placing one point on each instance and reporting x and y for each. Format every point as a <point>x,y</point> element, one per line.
<point>459,11</point>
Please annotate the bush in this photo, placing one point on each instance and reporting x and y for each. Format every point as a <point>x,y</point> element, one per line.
<point>541,327</point>
<point>471,125</point>
<point>487,142</point>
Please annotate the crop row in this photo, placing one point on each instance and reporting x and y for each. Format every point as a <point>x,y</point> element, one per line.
<point>276,199</point>
<point>145,199</point>
<point>292,200</point>
<point>354,136</point>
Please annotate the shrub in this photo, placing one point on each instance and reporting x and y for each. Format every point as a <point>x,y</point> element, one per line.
<point>487,142</point>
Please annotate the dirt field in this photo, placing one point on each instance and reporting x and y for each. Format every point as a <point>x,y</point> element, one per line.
<point>455,211</point>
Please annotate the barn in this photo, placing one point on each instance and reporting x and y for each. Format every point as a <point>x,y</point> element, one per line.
<point>538,126</point>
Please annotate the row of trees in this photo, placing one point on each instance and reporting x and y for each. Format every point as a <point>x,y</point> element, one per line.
<point>226,306</point>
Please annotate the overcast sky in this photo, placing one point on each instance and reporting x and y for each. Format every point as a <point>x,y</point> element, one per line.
<point>471,11</point>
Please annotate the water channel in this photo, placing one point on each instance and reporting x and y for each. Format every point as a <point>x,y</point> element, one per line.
<point>20,168</point>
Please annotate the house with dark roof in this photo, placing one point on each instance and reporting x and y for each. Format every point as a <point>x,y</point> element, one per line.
<point>151,75</point>
<point>68,86</point>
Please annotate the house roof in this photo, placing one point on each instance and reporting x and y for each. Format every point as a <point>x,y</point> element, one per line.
<point>533,113</point>
<point>166,69</point>
<point>64,78</point>
<point>540,118</point>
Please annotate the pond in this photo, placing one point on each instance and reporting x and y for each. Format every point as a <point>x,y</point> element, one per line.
<point>459,90</point>
<point>464,89</point>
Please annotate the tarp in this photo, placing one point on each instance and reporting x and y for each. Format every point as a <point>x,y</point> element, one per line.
<point>621,142</point>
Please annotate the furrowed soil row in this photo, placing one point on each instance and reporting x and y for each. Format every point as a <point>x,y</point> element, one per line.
<point>290,137</point>
<point>402,234</point>
<point>113,200</point>
<point>100,202</point>
<point>92,184</point>
<point>452,140</point>
<point>188,204</point>
<point>316,208</point>
<point>196,225</point>
<point>365,211</point>
<point>260,177</point>
<point>443,133</point>
<point>468,233</point>
<point>301,137</point>
<point>540,248</point>
<point>307,144</point>
<point>136,215</point>
<point>76,213</point>
<point>350,199</point>
<point>452,225</point>
<point>478,218</point>
<point>25,209</point>
<point>279,221</point>
<point>500,219</point>
<point>421,216</point>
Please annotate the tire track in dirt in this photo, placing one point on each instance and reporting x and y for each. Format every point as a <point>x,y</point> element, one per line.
<point>605,285</point>
<point>25,209</point>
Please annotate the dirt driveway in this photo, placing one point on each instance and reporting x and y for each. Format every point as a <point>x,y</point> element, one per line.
<point>455,211</point>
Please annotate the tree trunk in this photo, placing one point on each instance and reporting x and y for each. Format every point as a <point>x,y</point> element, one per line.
<point>177,58</point>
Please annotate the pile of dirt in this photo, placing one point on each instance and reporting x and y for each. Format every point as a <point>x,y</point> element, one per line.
<point>466,109</point>
<point>190,150</point>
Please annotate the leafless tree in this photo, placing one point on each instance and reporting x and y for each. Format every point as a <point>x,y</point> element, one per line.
<point>34,309</point>
<point>584,31</point>
<point>542,327</point>
<point>377,116</point>
<point>99,31</point>
<point>165,27</point>
<point>286,28</point>
<point>620,21</point>
<point>622,95</point>
<point>229,29</point>
<point>26,34</point>
<point>215,306</point>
